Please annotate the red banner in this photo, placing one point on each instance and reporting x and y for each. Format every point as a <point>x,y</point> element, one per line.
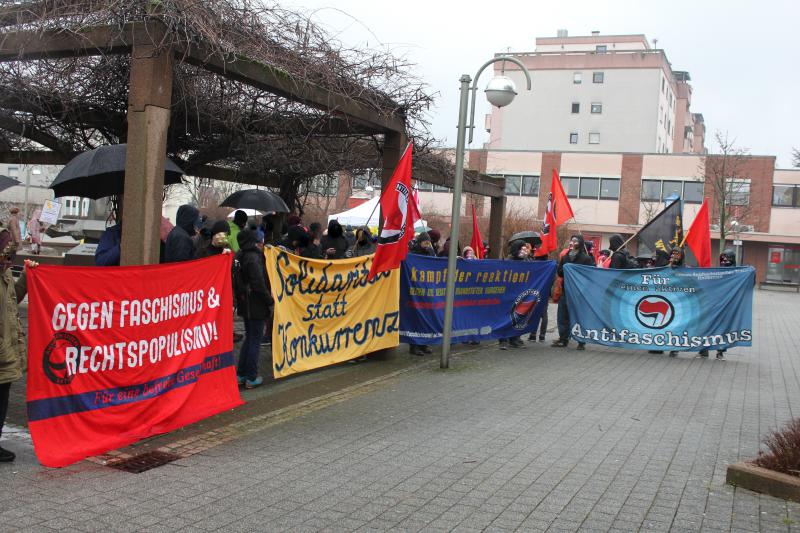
<point>118,354</point>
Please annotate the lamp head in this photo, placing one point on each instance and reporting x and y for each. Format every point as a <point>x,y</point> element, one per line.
<point>501,91</point>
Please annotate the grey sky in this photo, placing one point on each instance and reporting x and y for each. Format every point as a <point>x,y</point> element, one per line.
<point>743,55</point>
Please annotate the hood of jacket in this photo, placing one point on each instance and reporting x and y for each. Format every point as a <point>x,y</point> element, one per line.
<point>187,217</point>
<point>728,255</point>
<point>514,247</point>
<point>335,229</point>
<point>246,239</point>
<point>615,242</point>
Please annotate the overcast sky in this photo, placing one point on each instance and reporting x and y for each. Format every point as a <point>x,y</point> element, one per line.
<point>743,55</point>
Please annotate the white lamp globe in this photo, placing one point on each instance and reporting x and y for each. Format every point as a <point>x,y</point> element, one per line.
<point>501,91</point>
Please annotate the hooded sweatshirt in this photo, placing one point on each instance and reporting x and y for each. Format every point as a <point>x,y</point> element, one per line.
<point>578,258</point>
<point>254,274</point>
<point>179,246</point>
<point>334,239</point>
<point>619,256</point>
<point>728,256</point>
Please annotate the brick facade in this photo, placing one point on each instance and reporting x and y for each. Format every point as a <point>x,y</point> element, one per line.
<point>630,188</point>
<point>760,170</point>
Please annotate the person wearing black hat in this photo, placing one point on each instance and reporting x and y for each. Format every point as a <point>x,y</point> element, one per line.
<point>179,246</point>
<point>253,305</point>
<point>576,255</point>
<point>235,226</point>
<point>219,242</point>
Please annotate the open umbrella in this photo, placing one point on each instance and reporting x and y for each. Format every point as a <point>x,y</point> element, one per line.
<point>101,172</point>
<point>257,199</point>
<point>531,237</point>
<point>7,183</point>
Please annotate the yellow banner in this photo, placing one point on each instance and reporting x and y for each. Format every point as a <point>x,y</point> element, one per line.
<point>327,312</point>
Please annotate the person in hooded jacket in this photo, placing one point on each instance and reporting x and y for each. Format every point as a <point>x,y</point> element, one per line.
<point>576,255</point>
<point>544,319</point>
<point>517,251</point>
<point>180,246</point>
<point>726,259</point>
<point>619,255</point>
<point>219,241</point>
<point>254,301</point>
<point>235,226</point>
<point>364,245</point>
<point>12,337</point>
<point>334,244</point>
<point>314,248</point>
<point>659,259</point>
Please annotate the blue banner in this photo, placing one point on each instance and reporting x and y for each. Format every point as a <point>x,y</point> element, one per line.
<point>682,309</point>
<point>494,299</point>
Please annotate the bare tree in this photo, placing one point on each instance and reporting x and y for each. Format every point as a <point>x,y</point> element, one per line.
<point>796,157</point>
<point>725,173</point>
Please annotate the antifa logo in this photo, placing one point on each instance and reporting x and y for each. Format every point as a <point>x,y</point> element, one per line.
<point>654,312</point>
<point>396,228</point>
<point>523,307</point>
<point>54,363</point>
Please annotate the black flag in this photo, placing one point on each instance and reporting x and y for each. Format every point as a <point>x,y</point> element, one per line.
<point>665,231</point>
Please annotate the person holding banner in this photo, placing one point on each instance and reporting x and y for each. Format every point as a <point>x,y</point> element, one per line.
<point>517,251</point>
<point>253,302</point>
<point>726,259</point>
<point>12,356</point>
<point>576,255</point>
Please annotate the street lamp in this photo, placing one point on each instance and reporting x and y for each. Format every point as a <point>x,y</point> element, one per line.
<point>500,92</point>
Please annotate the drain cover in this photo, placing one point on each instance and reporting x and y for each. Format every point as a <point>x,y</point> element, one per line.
<point>144,462</point>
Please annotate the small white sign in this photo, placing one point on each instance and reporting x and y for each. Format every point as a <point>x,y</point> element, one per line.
<point>50,211</point>
<point>737,243</point>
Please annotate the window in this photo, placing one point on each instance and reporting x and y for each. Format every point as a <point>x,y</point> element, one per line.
<point>590,188</point>
<point>371,177</point>
<point>424,187</point>
<point>570,186</point>
<point>530,186</point>
<point>577,77</point>
<point>323,185</point>
<point>597,77</point>
<point>737,191</point>
<point>609,189</point>
<point>662,85</point>
<point>13,172</point>
<point>784,195</point>
<point>36,171</point>
<point>594,138</point>
<point>576,107</point>
<point>597,108</point>
<point>693,192</point>
<point>601,48</point>
<point>513,185</point>
<point>671,189</point>
<point>651,190</point>
<point>440,188</point>
<point>573,138</point>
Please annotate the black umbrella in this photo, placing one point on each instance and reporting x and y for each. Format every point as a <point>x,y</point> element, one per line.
<point>7,183</point>
<point>257,199</point>
<point>101,172</point>
<point>531,237</point>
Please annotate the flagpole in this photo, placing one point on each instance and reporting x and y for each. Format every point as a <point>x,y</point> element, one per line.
<point>383,191</point>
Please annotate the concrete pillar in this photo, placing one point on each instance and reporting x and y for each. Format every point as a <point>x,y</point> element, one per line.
<point>149,102</point>
<point>496,217</point>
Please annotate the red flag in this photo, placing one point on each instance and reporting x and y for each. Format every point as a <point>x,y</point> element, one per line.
<point>477,243</point>
<point>558,212</point>
<point>698,238</point>
<point>400,213</point>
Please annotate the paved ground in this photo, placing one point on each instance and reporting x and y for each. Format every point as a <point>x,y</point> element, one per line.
<point>533,440</point>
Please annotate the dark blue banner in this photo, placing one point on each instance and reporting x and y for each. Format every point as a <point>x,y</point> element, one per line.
<point>683,309</point>
<point>494,299</point>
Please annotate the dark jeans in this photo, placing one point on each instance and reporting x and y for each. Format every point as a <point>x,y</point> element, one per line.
<point>563,319</point>
<point>5,388</point>
<point>251,349</point>
<point>543,323</point>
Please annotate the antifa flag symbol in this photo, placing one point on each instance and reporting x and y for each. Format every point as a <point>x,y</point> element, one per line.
<point>523,308</point>
<point>655,312</point>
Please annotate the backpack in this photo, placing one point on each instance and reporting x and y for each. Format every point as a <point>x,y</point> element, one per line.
<point>241,289</point>
<point>628,261</point>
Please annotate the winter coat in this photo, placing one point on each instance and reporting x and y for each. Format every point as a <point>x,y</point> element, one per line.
<point>254,274</point>
<point>13,360</point>
<point>619,256</point>
<point>108,250</point>
<point>334,239</point>
<point>358,249</point>
<point>513,250</point>
<point>180,246</point>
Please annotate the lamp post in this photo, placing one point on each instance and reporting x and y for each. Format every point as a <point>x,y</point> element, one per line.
<point>500,92</point>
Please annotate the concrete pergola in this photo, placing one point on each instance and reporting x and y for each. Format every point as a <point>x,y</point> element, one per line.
<point>149,107</point>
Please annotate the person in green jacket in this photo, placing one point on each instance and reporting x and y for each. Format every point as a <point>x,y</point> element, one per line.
<point>238,224</point>
<point>12,340</point>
